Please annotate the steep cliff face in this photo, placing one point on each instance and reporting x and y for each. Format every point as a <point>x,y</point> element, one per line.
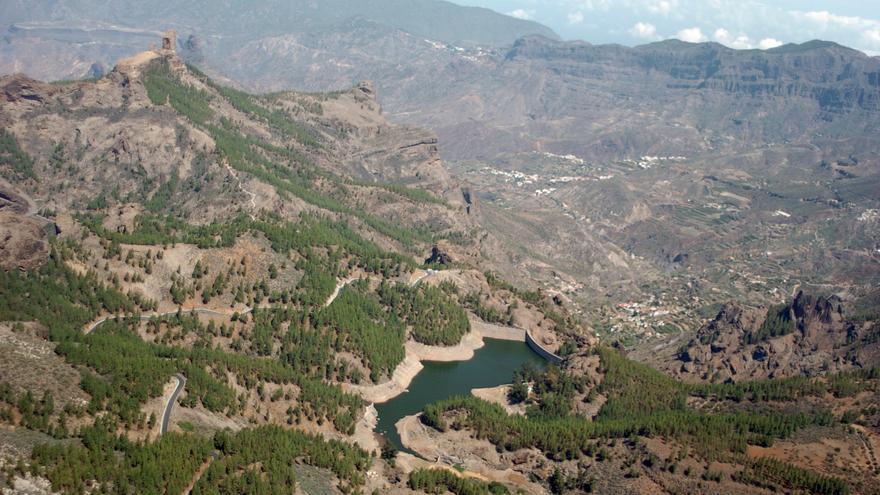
<point>837,78</point>
<point>377,150</point>
<point>808,336</point>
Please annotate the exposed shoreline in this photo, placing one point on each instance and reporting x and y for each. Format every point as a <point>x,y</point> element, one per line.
<point>406,371</point>
<point>411,366</point>
<point>365,430</point>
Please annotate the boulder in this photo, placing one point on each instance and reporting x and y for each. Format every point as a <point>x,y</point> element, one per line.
<point>438,257</point>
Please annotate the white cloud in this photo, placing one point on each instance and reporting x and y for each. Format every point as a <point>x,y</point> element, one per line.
<point>868,30</point>
<point>825,19</point>
<point>768,43</point>
<point>872,38</point>
<point>663,7</point>
<point>644,30</point>
<point>575,17</point>
<point>740,42</point>
<point>722,36</point>
<point>595,4</point>
<point>692,35</point>
<point>522,14</point>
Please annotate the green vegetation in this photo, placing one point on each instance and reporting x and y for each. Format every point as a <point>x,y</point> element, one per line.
<point>317,400</point>
<point>411,193</point>
<point>564,324</point>
<point>246,155</point>
<point>264,160</point>
<point>433,313</point>
<point>641,401</point>
<point>252,461</point>
<point>162,197</point>
<point>441,481</point>
<point>165,87</point>
<point>260,461</point>
<point>778,322</point>
<point>311,351</point>
<point>360,325</point>
<point>135,373</point>
<point>636,386</point>
<point>711,436</point>
<point>59,298</point>
<point>559,482</point>
<point>153,230</point>
<point>636,390</point>
<point>529,296</point>
<point>554,391</point>
<point>123,371</point>
<point>12,156</point>
<point>276,119</point>
<point>130,371</point>
<point>164,466</point>
<point>844,384</point>
<point>474,302</point>
<point>770,473</point>
<point>302,237</point>
<point>35,414</point>
<point>120,372</point>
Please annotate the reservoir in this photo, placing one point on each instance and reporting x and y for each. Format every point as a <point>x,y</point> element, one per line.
<point>492,365</point>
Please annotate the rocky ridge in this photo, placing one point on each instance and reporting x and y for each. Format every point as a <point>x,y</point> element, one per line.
<point>811,335</point>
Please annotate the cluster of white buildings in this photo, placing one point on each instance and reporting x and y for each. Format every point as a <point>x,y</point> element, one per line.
<point>569,158</point>
<point>642,317</point>
<point>473,55</point>
<point>649,161</point>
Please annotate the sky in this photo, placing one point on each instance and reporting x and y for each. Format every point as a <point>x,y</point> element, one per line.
<point>735,23</point>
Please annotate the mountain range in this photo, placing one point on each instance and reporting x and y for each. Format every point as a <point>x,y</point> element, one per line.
<point>223,242</point>
<point>739,135</point>
<point>70,35</point>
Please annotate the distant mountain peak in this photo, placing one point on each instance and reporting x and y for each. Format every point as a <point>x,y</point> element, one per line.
<point>814,45</point>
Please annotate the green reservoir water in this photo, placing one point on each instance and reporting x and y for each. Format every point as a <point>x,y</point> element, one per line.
<point>491,366</point>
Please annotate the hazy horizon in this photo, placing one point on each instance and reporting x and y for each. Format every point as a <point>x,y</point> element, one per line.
<point>737,24</point>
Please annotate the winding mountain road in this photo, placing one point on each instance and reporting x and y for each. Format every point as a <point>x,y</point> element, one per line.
<point>201,311</point>
<point>338,289</point>
<point>340,285</point>
<point>428,273</point>
<point>166,415</point>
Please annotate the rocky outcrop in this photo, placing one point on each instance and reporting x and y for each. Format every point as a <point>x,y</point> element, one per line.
<point>729,327</point>
<point>439,257</point>
<point>810,335</point>
<point>20,87</point>
<point>367,89</point>
<point>23,244</point>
